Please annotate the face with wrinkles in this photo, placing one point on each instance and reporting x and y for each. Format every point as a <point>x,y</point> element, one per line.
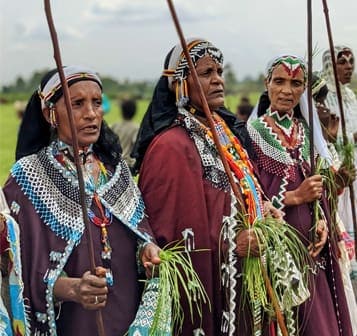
<point>210,75</point>
<point>285,88</point>
<point>86,103</point>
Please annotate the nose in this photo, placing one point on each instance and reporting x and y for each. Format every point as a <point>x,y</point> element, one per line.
<point>90,111</point>
<point>217,78</point>
<point>286,88</point>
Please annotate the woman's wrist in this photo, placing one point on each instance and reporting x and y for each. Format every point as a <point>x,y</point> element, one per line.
<point>66,289</point>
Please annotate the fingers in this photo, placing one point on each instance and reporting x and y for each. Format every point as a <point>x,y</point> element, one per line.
<point>322,234</point>
<point>247,244</point>
<point>150,255</point>
<point>93,290</point>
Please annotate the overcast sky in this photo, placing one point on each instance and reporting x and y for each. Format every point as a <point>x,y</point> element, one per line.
<point>130,38</point>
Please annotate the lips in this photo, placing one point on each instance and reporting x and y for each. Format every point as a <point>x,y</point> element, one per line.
<point>90,128</point>
<point>217,92</point>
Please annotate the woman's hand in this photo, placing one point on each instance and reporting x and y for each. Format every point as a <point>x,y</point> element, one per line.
<point>247,244</point>
<point>270,210</point>
<point>344,177</point>
<point>150,257</point>
<point>90,290</point>
<point>308,191</point>
<point>321,234</point>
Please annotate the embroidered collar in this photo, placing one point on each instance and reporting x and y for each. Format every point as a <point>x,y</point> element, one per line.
<point>68,150</point>
<point>283,120</point>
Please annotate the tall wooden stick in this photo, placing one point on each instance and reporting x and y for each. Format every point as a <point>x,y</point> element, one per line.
<point>238,195</point>
<point>342,113</point>
<point>88,227</point>
<point>309,86</point>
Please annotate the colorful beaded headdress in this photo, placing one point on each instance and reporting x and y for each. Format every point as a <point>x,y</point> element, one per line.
<point>292,64</point>
<point>71,74</point>
<point>178,68</point>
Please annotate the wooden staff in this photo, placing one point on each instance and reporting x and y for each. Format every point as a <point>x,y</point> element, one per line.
<point>342,113</point>
<point>236,192</point>
<point>309,86</point>
<point>88,228</point>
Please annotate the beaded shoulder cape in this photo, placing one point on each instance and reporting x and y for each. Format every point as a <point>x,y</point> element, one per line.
<point>272,155</point>
<point>54,193</point>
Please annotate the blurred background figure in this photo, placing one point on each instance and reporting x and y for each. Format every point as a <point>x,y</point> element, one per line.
<point>345,65</point>
<point>244,109</point>
<point>330,124</point>
<point>127,129</point>
<point>19,107</point>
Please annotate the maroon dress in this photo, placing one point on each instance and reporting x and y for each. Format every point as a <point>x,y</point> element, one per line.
<point>326,311</point>
<point>45,248</point>
<point>177,197</point>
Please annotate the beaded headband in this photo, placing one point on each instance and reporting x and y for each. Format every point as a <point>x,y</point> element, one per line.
<point>71,73</point>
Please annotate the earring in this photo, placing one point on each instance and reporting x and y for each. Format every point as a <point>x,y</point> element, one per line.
<point>53,120</point>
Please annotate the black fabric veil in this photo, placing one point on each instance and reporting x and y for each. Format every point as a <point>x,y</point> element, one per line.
<point>35,133</point>
<point>161,114</point>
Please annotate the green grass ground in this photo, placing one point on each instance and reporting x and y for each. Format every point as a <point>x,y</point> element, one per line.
<point>9,124</point>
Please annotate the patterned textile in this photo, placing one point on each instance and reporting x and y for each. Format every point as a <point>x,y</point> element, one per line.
<point>291,63</point>
<point>54,193</point>
<point>271,153</point>
<point>214,172</point>
<point>178,67</point>
<point>143,322</point>
<point>14,321</point>
<point>71,73</point>
<point>211,162</point>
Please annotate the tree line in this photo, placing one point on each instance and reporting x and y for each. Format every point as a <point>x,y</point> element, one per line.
<point>116,89</point>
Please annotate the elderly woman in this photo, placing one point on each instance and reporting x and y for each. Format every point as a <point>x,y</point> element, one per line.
<point>281,146</point>
<point>43,195</point>
<point>186,189</point>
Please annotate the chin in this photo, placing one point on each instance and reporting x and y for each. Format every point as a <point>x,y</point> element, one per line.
<point>88,141</point>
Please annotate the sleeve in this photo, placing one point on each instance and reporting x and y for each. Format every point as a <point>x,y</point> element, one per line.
<point>36,241</point>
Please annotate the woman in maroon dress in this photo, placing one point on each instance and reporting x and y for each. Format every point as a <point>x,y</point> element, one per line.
<point>186,190</point>
<point>43,195</point>
<point>281,149</point>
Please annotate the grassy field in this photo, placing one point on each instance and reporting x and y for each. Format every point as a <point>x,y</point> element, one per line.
<point>9,124</point>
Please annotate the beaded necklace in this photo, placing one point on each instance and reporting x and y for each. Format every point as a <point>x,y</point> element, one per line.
<point>64,156</point>
<point>241,167</point>
<point>287,124</point>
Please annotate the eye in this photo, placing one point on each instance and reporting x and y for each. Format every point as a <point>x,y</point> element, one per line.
<point>77,103</point>
<point>278,81</point>
<point>297,83</point>
<point>97,103</point>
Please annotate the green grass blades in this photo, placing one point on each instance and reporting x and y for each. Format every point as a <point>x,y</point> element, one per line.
<point>176,277</point>
<point>286,260</point>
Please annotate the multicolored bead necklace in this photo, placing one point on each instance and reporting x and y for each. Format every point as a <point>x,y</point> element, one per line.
<point>64,156</point>
<point>241,167</point>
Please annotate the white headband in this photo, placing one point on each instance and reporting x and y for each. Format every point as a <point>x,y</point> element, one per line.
<point>70,73</point>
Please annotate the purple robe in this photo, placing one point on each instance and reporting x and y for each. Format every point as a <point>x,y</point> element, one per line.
<point>326,311</point>
<point>38,240</point>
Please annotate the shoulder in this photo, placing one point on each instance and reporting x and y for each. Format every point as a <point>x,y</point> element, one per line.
<point>173,139</point>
